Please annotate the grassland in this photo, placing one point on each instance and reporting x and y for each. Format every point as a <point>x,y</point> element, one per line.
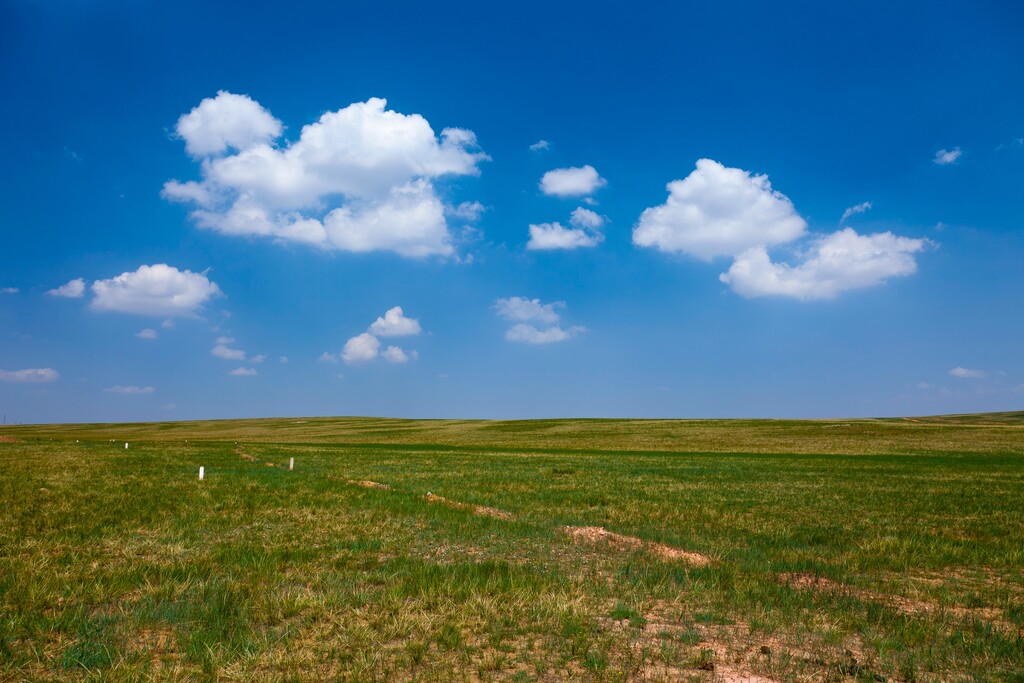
<point>540,550</point>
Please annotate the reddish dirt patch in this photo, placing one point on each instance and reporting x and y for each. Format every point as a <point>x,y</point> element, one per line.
<point>812,582</point>
<point>990,615</point>
<point>366,484</point>
<point>476,509</point>
<point>595,535</point>
<point>8,439</point>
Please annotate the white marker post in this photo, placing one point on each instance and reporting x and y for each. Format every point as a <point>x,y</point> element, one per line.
<point>126,445</point>
<point>202,471</point>
<point>291,463</point>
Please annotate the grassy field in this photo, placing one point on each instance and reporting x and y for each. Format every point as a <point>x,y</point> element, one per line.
<point>538,550</point>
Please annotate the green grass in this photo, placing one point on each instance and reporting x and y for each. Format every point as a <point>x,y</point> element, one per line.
<point>843,550</point>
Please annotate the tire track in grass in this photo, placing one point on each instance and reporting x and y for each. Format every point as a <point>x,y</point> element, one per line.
<point>590,535</point>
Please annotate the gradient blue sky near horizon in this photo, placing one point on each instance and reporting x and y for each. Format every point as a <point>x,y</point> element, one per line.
<point>211,211</point>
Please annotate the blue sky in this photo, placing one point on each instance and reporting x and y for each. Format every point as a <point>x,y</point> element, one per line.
<point>727,210</point>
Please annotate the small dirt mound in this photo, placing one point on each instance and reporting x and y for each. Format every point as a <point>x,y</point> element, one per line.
<point>595,535</point>
<point>366,484</point>
<point>476,509</point>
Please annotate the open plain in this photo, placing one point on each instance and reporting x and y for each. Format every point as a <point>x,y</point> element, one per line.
<point>730,550</point>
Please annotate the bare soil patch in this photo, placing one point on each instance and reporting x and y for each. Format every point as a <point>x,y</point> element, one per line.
<point>476,509</point>
<point>8,439</point>
<point>366,484</point>
<point>911,606</point>
<point>596,535</point>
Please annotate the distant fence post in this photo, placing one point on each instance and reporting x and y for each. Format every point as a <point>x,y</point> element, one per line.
<point>202,471</point>
<point>291,463</point>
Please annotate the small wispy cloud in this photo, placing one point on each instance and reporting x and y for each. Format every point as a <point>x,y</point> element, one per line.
<point>967,373</point>
<point>540,146</point>
<point>29,375</point>
<point>129,390</point>
<point>148,333</point>
<point>243,372</point>
<point>853,210</point>
<point>947,157</point>
<point>9,290</point>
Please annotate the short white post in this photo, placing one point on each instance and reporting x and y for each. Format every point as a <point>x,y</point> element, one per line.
<point>291,463</point>
<point>202,471</point>
<point>126,445</point>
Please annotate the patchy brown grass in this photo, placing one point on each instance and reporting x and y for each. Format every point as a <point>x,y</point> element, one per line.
<point>482,510</point>
<point>596,535</point>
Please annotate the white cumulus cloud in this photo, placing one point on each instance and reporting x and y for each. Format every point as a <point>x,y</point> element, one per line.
<point>967,373</point>
<point>227,353</point>
<point>536,322</point>
<point>358,179</point>
<point>394,324</point>
<point>548,236</point>
<point>365,347</point>
<point>158,290</point>
<point>224,121</point>
<point>859,208</point>
<point>947,157</point>
<point>394,354</point>
<point>585,218</point>
<point>572,182</point>
<point>29,375</point>
<point>522,309</point>
<point>585,232</point>
<point>834,263</point>
<point>718,211</point>
<point>73,289</point>
<point>360,349</point>
<point>147,333</point>
<point>130,390</point>
<point>540,146</point>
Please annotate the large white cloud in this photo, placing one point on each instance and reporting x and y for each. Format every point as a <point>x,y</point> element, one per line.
<point>159,290</point>
<point>835,263</point>
<point>572,182</point>
<point>73,289</point>
<point>358,179</point>
<point>29,375</point>
<point>394,324</point>
<point>224,121</point>
<point>718,211</point>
